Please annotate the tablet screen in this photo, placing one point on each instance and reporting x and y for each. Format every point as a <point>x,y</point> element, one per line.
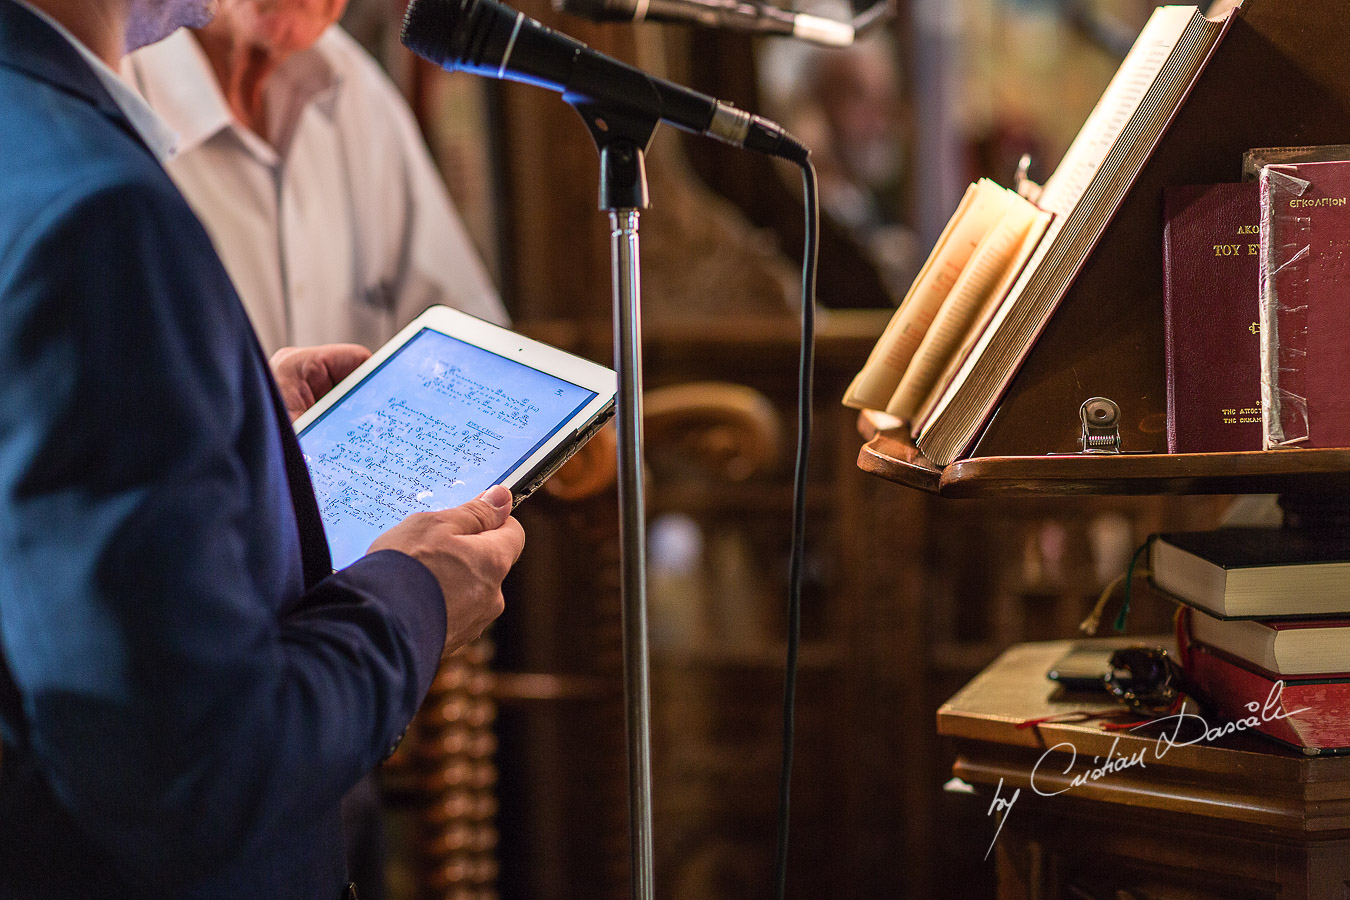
<point>438,423</point>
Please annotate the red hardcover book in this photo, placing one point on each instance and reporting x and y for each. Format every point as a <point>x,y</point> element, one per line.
<point>1311,714</point>
<point>1305,297</point>
<point>1211,330</point>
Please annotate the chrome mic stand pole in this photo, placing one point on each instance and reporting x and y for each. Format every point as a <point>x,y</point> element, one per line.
<point>633,540</point>
<point>623,192</point>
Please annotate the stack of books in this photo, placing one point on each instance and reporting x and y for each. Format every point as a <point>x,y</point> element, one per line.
<point>1266,629</point>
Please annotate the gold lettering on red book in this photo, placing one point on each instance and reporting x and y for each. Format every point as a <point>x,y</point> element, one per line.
<point>1301,203</point>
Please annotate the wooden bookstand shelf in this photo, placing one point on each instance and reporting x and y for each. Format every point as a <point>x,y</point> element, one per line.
<point>890,454</point>
<point>1278,78</point>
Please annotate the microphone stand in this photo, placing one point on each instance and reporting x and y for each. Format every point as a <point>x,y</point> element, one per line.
<point>622,137</point>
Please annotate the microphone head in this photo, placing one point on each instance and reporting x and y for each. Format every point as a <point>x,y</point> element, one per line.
<point>427,24</point>
<point>459,34</point>
<point>492,39</point>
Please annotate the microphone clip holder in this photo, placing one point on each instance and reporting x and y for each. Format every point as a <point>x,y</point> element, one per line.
<point>622,137</point>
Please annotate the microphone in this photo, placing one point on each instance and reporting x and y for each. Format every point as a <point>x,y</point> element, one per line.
<point>489,38</point>
<point>736,15</point>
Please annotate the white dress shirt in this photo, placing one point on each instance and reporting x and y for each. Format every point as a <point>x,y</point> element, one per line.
<point>341,228</point>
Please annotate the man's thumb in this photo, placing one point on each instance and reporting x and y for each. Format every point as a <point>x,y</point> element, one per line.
<point>498,497</point>
<point>489,510</point>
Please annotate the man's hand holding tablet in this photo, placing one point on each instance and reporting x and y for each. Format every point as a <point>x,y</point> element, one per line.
<point>304,374</point>
<point>469,549</point>
<point>452,408</point>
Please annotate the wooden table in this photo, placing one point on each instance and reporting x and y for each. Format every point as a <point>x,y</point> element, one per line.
<point>1235,818</point>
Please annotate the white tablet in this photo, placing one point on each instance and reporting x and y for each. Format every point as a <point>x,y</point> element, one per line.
<point>449,407</point>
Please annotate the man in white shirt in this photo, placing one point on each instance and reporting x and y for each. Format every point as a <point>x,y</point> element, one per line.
<point>308,169</point>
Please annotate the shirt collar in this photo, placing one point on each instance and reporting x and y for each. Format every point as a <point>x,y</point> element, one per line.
<point>177,79</point>
<point>156,134</point>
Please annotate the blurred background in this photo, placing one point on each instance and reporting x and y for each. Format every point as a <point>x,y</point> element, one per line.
<point>514,785</point>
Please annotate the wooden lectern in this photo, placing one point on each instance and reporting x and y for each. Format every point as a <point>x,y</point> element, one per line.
<point>1241,819</point>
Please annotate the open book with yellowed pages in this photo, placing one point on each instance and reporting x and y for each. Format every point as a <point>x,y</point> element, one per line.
<point>971,335</point>
<point>986,279</point>
<point>969,257</point>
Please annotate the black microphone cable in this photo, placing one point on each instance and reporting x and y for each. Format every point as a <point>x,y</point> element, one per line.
<point>805,401</point>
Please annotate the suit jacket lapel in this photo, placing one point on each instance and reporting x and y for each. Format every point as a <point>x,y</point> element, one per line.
<point>315,559</point>
<point>314,555</point>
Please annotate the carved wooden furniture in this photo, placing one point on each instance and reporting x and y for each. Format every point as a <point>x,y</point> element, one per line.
<point>444,773</point>
<point>1238,818</point>
<point>1235,820</point>
<point>1153,853</point>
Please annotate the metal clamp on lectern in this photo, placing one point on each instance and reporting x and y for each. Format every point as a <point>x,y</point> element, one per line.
<point>1101,425</point>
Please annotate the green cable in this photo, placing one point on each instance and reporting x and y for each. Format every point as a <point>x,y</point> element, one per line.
<point>1129,582</point>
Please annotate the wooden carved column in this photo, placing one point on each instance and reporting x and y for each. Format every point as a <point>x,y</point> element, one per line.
<point>445,771</point>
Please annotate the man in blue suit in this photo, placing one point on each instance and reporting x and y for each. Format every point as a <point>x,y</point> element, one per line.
<point>186,689</point>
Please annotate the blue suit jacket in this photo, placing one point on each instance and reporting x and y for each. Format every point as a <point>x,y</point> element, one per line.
<point>185,690</point>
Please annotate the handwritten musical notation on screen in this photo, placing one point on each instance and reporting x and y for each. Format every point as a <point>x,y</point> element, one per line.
<point>399,460</point>
<point>438,424</point>
<point>494,403</point>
